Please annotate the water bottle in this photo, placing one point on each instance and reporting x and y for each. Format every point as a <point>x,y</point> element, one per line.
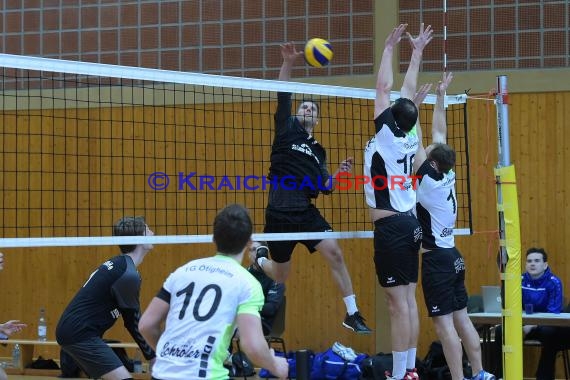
<point>137,362</point>
<point>42,326</point>
<point>16,356</point>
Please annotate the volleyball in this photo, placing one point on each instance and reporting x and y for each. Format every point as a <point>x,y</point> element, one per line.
<point>318,52</point>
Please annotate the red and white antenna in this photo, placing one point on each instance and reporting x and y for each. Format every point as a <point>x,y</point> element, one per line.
<point>445,35</point>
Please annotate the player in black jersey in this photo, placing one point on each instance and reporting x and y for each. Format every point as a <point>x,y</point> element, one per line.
<point>443,267</point>
<point>296,155</point>
<point>109,292</point>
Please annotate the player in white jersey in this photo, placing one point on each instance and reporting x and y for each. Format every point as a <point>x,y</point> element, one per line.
<point>202,303</point>
<point>388,162</point>
<point>443,267</point>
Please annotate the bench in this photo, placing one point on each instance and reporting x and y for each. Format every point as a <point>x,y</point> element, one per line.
<point>27,347</point>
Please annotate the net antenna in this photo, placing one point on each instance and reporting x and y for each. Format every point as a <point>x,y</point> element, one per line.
<point>444,45</point>
<point>444,36</point>
<point>84,144</point>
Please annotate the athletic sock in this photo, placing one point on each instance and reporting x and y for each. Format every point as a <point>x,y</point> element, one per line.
<point>350,302</point>
<point>399,366</point>
<point>411,360</point>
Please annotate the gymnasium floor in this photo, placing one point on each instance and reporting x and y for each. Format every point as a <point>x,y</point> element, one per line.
<point>25,377</point>
<point>19,377</point>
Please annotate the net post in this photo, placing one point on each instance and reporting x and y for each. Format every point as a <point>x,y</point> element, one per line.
<point>509,241</point>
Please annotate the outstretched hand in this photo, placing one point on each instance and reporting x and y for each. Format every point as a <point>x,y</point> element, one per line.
<point>346,165</point>
<point>11,327</point>
<point>396,35</point>
<point>420,96</point>
<point>423,38</point>
<point>444,83</point>
<point>289,52</point>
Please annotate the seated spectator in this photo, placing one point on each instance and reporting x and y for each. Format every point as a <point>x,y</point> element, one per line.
<point>542,289</point>
<point>272,291</point>
<point>8,328</point>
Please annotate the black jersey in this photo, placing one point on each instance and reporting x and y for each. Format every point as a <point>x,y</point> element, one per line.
<point>298,169</point>
<point>111,291</point>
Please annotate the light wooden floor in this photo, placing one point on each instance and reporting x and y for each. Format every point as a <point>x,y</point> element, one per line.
<point>21,377</point>
<point>25,377</point>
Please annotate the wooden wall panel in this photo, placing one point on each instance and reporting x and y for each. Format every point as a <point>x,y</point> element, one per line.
<point>316,309</point>
<point>48,277</point>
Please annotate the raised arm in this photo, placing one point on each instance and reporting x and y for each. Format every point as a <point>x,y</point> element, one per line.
<point>439,125</point>
<point>385,79</point>
<point>418,100</point>
<point>289,54</point>
<point>418,45</point>
<point>283,111</point>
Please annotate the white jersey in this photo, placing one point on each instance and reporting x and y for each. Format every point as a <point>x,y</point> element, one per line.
<point>436,207</point>
<point>388,163</point>
<point>205,296</point>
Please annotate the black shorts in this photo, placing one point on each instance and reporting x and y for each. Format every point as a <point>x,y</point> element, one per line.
<point>309,220</point>
<point>443,281</point>
<point>93,356</point>
<point>397,240</point>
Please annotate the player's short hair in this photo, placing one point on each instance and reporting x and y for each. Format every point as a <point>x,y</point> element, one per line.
<point>444,157</point>
<point>405,113</point>
<point>538,250</point>
<point>232,229</point>
<point>129,226</point>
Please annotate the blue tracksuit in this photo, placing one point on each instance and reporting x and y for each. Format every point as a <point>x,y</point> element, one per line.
<point>544,293</point>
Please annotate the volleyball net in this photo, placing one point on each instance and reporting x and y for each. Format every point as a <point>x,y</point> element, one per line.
<point>84,144</point>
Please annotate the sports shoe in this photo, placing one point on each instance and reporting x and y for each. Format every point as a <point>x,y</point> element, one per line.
<point>484,375</point>
<point>260,252</point>
<point>347,353</point>
<point>412,374</point>
<point>355,322</point>
<point>388,376</point>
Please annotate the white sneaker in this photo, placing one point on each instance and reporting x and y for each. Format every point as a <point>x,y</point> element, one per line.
<point>484,375</point>
<point>344,352</point>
